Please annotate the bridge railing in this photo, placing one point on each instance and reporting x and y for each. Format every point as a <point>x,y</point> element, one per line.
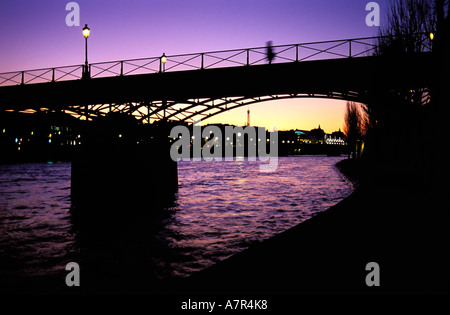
<point>334,49</point>
<point>41,75</point>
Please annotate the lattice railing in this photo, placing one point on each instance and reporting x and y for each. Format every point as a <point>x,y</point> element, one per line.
<point>346,48</point>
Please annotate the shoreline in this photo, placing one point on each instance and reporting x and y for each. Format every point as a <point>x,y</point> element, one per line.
<point>399,225</point>
<point>328,253</point>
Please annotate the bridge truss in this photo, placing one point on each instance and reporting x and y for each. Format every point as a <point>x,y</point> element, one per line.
<point>188,110</point>
<point>191,109</point>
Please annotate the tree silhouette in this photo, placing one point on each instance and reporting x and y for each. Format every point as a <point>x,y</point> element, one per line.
<point>409,23</point>
<point>396,114</point>
<point>354,125</point>
<point>407,31</point>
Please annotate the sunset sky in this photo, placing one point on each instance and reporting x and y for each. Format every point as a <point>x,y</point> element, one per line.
<point>35,35</point>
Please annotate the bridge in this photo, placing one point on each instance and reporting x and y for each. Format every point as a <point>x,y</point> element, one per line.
<point>195,86</point>
<point>188,87</point>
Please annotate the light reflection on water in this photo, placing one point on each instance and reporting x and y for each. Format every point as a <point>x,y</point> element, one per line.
<point>220,209</point>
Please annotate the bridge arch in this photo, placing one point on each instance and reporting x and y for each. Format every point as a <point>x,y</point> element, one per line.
<point>210,110</point>
<point>195,109</point>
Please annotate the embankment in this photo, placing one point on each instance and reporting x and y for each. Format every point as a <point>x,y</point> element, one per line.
<point>392,223</point>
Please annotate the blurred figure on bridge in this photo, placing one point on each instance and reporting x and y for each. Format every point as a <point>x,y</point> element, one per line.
<point>270,53</point>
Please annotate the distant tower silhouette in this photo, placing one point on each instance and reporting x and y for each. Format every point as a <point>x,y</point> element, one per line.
<point>248,117</point>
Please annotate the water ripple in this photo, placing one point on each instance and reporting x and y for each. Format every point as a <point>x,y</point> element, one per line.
<point>220,209</point>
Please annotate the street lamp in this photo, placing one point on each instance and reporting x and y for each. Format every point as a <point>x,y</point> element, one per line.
<point>86,32</point>
<point>431,35</point>
<point>162,62</point>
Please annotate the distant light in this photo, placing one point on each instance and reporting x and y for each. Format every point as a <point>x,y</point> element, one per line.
<point>239,134</point>
<point>32,133</point>
<point>431,35</point>
<point>49,140</point>
<point>193,137</point>
<point>120,135</point>
<point>16,140</point>
<point>163,58</point>
<point>4,130</point>
<point>86,31</point>
<point>228,138</point>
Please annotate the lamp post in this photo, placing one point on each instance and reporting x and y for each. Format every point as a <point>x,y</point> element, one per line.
<point>432,35</point>
<point>162,63</point>
<point>86,32</point>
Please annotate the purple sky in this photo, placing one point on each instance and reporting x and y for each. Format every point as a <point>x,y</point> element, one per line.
<point>35,35</point>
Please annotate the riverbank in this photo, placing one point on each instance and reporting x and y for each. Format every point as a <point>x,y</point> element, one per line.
<point>398,224</point>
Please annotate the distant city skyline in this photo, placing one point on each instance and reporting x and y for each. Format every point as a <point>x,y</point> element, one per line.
<point>36,36</point>
<point>296,113</point>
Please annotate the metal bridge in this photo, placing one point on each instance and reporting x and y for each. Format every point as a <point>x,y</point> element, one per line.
<point>200,85</point>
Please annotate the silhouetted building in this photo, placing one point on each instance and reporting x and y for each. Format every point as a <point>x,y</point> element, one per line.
<point>338,135</point>
<point>315,141</point>
<point>38,137</point>
<point>248,118</point>
<point>336,138</point>
<point>317,136</point>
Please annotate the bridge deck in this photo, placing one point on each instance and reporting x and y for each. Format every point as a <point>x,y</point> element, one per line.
<point>345,78</point>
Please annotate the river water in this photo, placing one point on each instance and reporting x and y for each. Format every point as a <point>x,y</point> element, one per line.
<point>221,208</point>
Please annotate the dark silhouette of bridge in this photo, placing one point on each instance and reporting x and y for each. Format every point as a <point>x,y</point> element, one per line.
<point>200,85</point>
